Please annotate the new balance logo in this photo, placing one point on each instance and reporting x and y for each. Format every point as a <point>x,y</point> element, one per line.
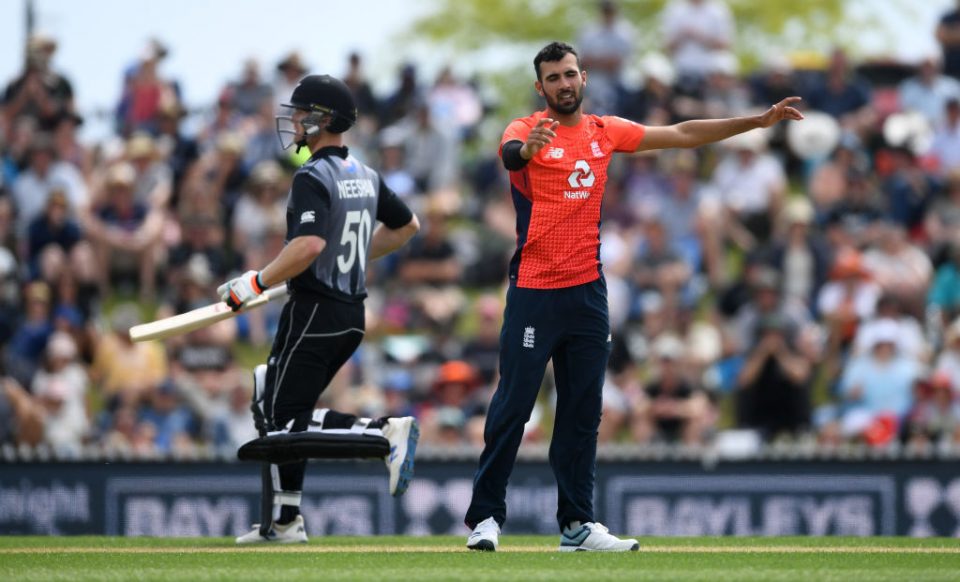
<point>555,153</point>
<point>595,150</point>
<point>307,216</point>
<point>528,337</point>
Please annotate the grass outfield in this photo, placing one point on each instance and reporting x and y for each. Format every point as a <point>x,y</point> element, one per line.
<point>445,558</point>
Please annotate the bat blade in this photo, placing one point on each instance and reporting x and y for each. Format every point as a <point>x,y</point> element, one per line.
<point>201,317</point>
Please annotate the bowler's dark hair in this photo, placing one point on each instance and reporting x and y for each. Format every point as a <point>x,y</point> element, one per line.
<point>555,51</point>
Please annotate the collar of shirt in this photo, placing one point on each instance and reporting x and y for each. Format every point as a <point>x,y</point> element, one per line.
<point>339,151</point>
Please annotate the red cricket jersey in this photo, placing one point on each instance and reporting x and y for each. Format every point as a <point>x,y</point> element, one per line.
<point>557,196</point>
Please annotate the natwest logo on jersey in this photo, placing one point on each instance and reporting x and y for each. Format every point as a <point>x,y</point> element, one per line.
<point>582,176</point>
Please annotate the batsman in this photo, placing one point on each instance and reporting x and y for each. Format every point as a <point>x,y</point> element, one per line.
<point>333,206</point>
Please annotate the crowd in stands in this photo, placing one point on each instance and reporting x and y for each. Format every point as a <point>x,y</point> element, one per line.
<point>809,294</point>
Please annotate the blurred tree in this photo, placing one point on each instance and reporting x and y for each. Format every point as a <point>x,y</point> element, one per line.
<point>500,37</point>
<point>477,25</point>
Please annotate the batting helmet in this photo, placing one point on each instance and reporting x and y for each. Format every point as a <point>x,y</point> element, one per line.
<point>329,96</point>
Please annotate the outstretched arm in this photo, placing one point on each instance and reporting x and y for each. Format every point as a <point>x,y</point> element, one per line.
<point>698,132</point>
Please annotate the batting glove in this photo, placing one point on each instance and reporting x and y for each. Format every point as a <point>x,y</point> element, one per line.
<point>238,291</point>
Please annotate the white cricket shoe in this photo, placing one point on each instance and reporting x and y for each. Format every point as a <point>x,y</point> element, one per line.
<point>292,533</point>
<point>402,434</point>
<point>485,537</point>
<point>594,537</point>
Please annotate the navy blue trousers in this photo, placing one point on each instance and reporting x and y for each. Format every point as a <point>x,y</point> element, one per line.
<point>572,327</point>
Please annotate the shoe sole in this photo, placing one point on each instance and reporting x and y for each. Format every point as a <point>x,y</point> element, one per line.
<point>261,542</point>
<point>633,548</point>
<point>483,546</point>
<point>406,469</point>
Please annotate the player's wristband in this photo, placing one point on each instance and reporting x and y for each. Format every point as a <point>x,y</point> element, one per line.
<point>512,160</point>
<point>258,282</point>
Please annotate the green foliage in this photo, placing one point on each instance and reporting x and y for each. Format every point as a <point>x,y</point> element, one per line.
<point>476,25</point>
<point>500,37</point>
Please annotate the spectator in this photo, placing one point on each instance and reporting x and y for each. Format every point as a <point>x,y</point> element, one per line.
<point>948,362</point>
<point>774,395</point>
<point>942,223</point>
<point>766,299</point>
<point>393,167</point>
<point>455,106</point>
<point>54,227</point>
<point>261,132</point>
<point>693,30</point>
<point>289,72</point>
<point>830,180</point>
<point>934,417</point>
<point>262,204</point>
<point>143,92</point>
<point>68,146</point>
<point>674,410</point>
<point>899,267</point>
<point>724,94</point>
<point>800,254</point>
<point>654,103</point>
<point>25,350</point>
<point>429,153</point>
<point>154,182</point>
<point>658,266</point>
<point>125,232</point>
<point>397,386</point>
<point>843,95</point>
<point>405,99</point>
<point>774,82</point>
<point>909,191</point>
<point>39,92</point>
<point>125,371</point>
<point>946,139</point>
<point>216,181</point>
<point>848,298</point>
<point>948,35</point>
<point>173,424</point>
<point>232,425</point>
<point>61,388</point>
<point>605,46</point>
<point>21,417</point>
<point>855,220</point>
<point>431,259</point>
<point>355,78</point>
<point>752,186</point>
<point>453,392</point>
<point>910,334</point>
<point>248,94</point>
<point>680,209</point>
<point>928,91</point>
<point>944,293</point>
<point>182,150</point>
<point>878,385</point>
<point>44,174</point>
<point>482,350</point>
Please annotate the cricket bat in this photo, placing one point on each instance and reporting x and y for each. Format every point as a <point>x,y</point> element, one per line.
<point>200,317</point>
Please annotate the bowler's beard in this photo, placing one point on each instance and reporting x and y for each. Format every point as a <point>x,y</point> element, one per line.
<point>565,109</point>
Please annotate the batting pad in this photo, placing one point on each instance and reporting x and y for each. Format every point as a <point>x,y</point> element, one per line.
<point>282,448</point>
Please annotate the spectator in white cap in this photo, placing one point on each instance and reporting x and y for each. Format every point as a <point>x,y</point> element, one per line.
<point>879,382</point>
<point>61,387</point>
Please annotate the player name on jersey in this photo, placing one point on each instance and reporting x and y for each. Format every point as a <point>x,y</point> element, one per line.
<point>361,188</point>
